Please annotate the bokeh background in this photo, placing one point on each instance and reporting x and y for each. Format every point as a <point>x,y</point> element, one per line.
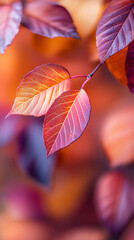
<point>84,191</point>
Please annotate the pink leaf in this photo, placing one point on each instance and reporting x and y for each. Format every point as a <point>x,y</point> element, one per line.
<point>66,120</point>
<point>48,19</point>
<point>10,18</point>
<point>115,29</point>
<point>115,198</point>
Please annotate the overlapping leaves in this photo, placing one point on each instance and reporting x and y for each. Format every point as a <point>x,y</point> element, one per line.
<point>40,16</point>
<point>46,90</point>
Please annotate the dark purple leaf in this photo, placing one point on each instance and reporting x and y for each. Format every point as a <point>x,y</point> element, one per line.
<point>10,18</point>
<point>130,66</point>
<point>32,154</point>
<point>48,19</point>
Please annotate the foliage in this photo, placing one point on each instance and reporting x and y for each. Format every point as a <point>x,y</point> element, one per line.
<point>46,90</point>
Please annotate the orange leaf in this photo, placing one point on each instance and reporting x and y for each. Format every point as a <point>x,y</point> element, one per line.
<point>39,88</point>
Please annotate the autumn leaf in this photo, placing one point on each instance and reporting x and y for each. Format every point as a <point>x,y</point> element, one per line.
<point>48,19</point>
<point>114,198</point>
<point>129,66</point>
<point>66,120</point>
<point>116,65</point>
<point>10,18</point>
<point>115,29</point>
<point>121,66</point>
<point>39,88</point>
<point>118,136</point>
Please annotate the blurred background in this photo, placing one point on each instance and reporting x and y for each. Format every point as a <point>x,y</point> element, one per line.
<point>85,191</point>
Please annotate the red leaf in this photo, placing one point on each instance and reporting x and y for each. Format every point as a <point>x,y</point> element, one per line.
<point>115,198</point>
<point>66,120</point>
<point>39,88</point>
<point>48,19</point>
<point>115,29</point>
<point>10,18</point>
<point>130,66</point>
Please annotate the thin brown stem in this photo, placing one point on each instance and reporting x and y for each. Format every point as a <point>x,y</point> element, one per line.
<point>97,67</point>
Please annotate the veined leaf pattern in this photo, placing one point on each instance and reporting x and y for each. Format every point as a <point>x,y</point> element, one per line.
<point>39,88</point>
<point>10,18</point>
<point>66,120</point>
<point>115,29</point>
<point>48,19</point>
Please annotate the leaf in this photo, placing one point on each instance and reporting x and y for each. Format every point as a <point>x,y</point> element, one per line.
<point>121,66</point>
<point>114,198</point>
<point>115,29</point>
<point>116,64</point>
<point>10,18</point>
<point>118,136</point>
<point>48,19</point>
<point>32,154</point>
<point>66,120</point>
<point>129,66</point>
<point>39,88</point>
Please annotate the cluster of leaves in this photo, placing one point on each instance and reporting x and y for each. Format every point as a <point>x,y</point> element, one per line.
<point>46,18</point>
<point>46,89</point>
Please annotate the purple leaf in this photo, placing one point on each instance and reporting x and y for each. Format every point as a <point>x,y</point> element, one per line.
<point>32,154</point>
<point>48,19</point>
<point>129,66</point>
<point>10,18</point>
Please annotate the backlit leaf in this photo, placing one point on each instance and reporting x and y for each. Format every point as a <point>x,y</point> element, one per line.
<point>115,29</point>
<point>114,198</point>
<point>48,19</point>
<point>39,88</point>
<point>66,120</point>
<point>10,18</point>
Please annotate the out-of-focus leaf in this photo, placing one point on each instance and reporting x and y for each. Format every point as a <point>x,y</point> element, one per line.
<point>118,136</point>
<point>121,66</point>
<point>9,129</point>
<point>115,29</point>
<point>114,199</point>
<point>85,14</point>
<point>32,155</point>
<point>10,18</point>
<point>48,19</point>
<point>66,120</point>
<point>22,201</point>
<point>39,88</point>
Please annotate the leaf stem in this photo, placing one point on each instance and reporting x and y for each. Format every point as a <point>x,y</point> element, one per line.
<point>79,76</point>
<point>91,74</point>
<point>97,67</point>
